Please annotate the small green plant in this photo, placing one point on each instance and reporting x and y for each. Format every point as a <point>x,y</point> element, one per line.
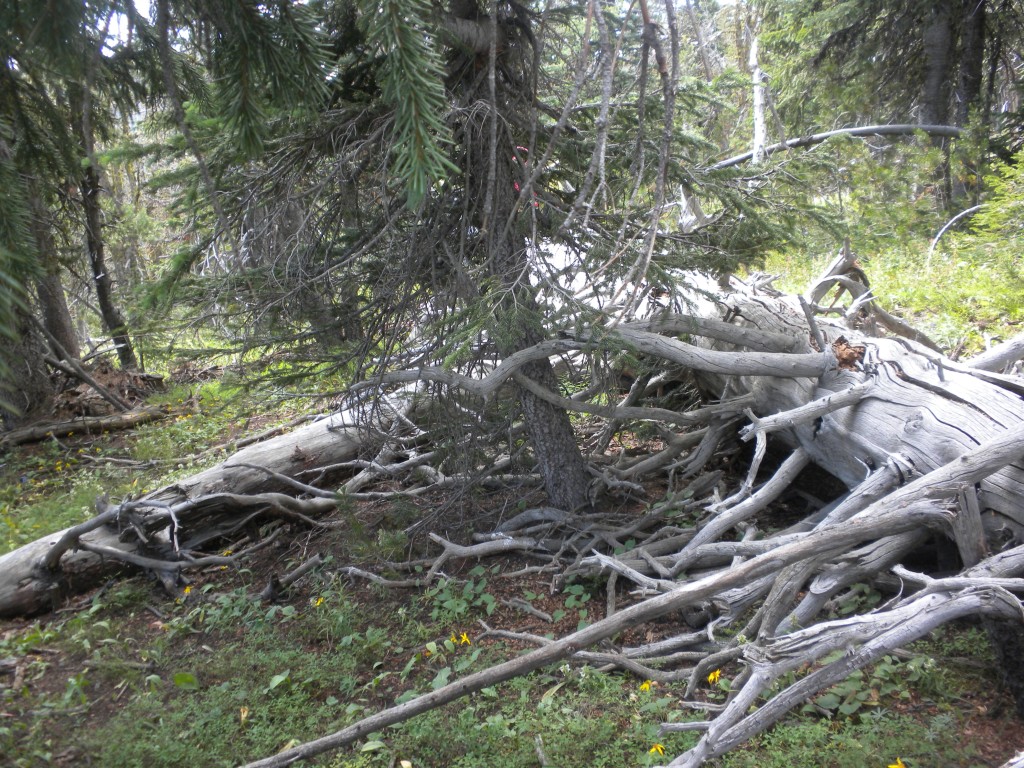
<point>279,680</point>
<point>369,646</point>
<point>74,691</point>
<point>888,680</point>
<point>858,599</point>
<point>577,596</point>
<point>452,602</point>
<point>186,681</point>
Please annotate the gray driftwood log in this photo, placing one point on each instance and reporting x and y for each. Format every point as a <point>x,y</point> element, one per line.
<point>160,530</point>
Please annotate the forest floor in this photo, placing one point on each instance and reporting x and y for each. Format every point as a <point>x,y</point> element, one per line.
<point>129,676</point>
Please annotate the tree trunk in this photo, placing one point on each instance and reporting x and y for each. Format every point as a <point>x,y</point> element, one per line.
<point>28,390</point>
<point>49,288</point>
<point>969,78</point>
<point>920,406</point>
<point>113,320</point>
<point>89,185</point>
<point>557,451</point>
<point>937,43</point>
<point>493,177</point>
<point>757,150</point>
<point>938,59</point>
<point>972,58</point>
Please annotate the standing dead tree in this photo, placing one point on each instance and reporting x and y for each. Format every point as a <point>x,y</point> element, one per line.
<point>930,449</point>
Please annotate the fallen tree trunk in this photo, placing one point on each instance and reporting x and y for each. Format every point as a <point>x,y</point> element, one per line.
<point>817,138</point>
<point>85,425</point>
<point>163,528</point>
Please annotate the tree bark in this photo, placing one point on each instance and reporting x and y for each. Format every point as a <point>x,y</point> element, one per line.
<point>113,320</point>
<point>49,288</point>
<point>972,58</point>
<point>921,406</point>
<point>938,41</point>
<point>558,453</point>
<point>938,49</point>
<point>27,387</point>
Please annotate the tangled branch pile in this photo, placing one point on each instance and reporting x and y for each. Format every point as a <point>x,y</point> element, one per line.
<point>929,448</point>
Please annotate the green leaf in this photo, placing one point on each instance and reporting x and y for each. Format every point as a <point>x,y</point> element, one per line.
<point>849,707</point>
<point>277,680</point>
<point>186,681</point>
<point>441,679</point>
<point>828,701</point>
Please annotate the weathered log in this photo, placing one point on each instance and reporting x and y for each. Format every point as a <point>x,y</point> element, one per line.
<point>184,514</point>
<point>1000,356</point>
<point>910,402</point>
<point>85,425</point>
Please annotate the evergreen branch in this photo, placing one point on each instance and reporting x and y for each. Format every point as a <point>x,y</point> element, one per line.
<point>412,83</point>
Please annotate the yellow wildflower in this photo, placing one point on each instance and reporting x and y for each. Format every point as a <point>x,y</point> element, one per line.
<point>714,676</point>
<point>898,764</point>
<point>657,749</point>
<point>188,590</point>
<point>243,714</point>
<point>318,602</point>
<point>464,639</point>
<point>645,685</point>
<point>454,639</point>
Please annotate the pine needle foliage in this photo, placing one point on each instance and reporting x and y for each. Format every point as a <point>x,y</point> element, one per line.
<point>264,58</point>
<point>411,79</point>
